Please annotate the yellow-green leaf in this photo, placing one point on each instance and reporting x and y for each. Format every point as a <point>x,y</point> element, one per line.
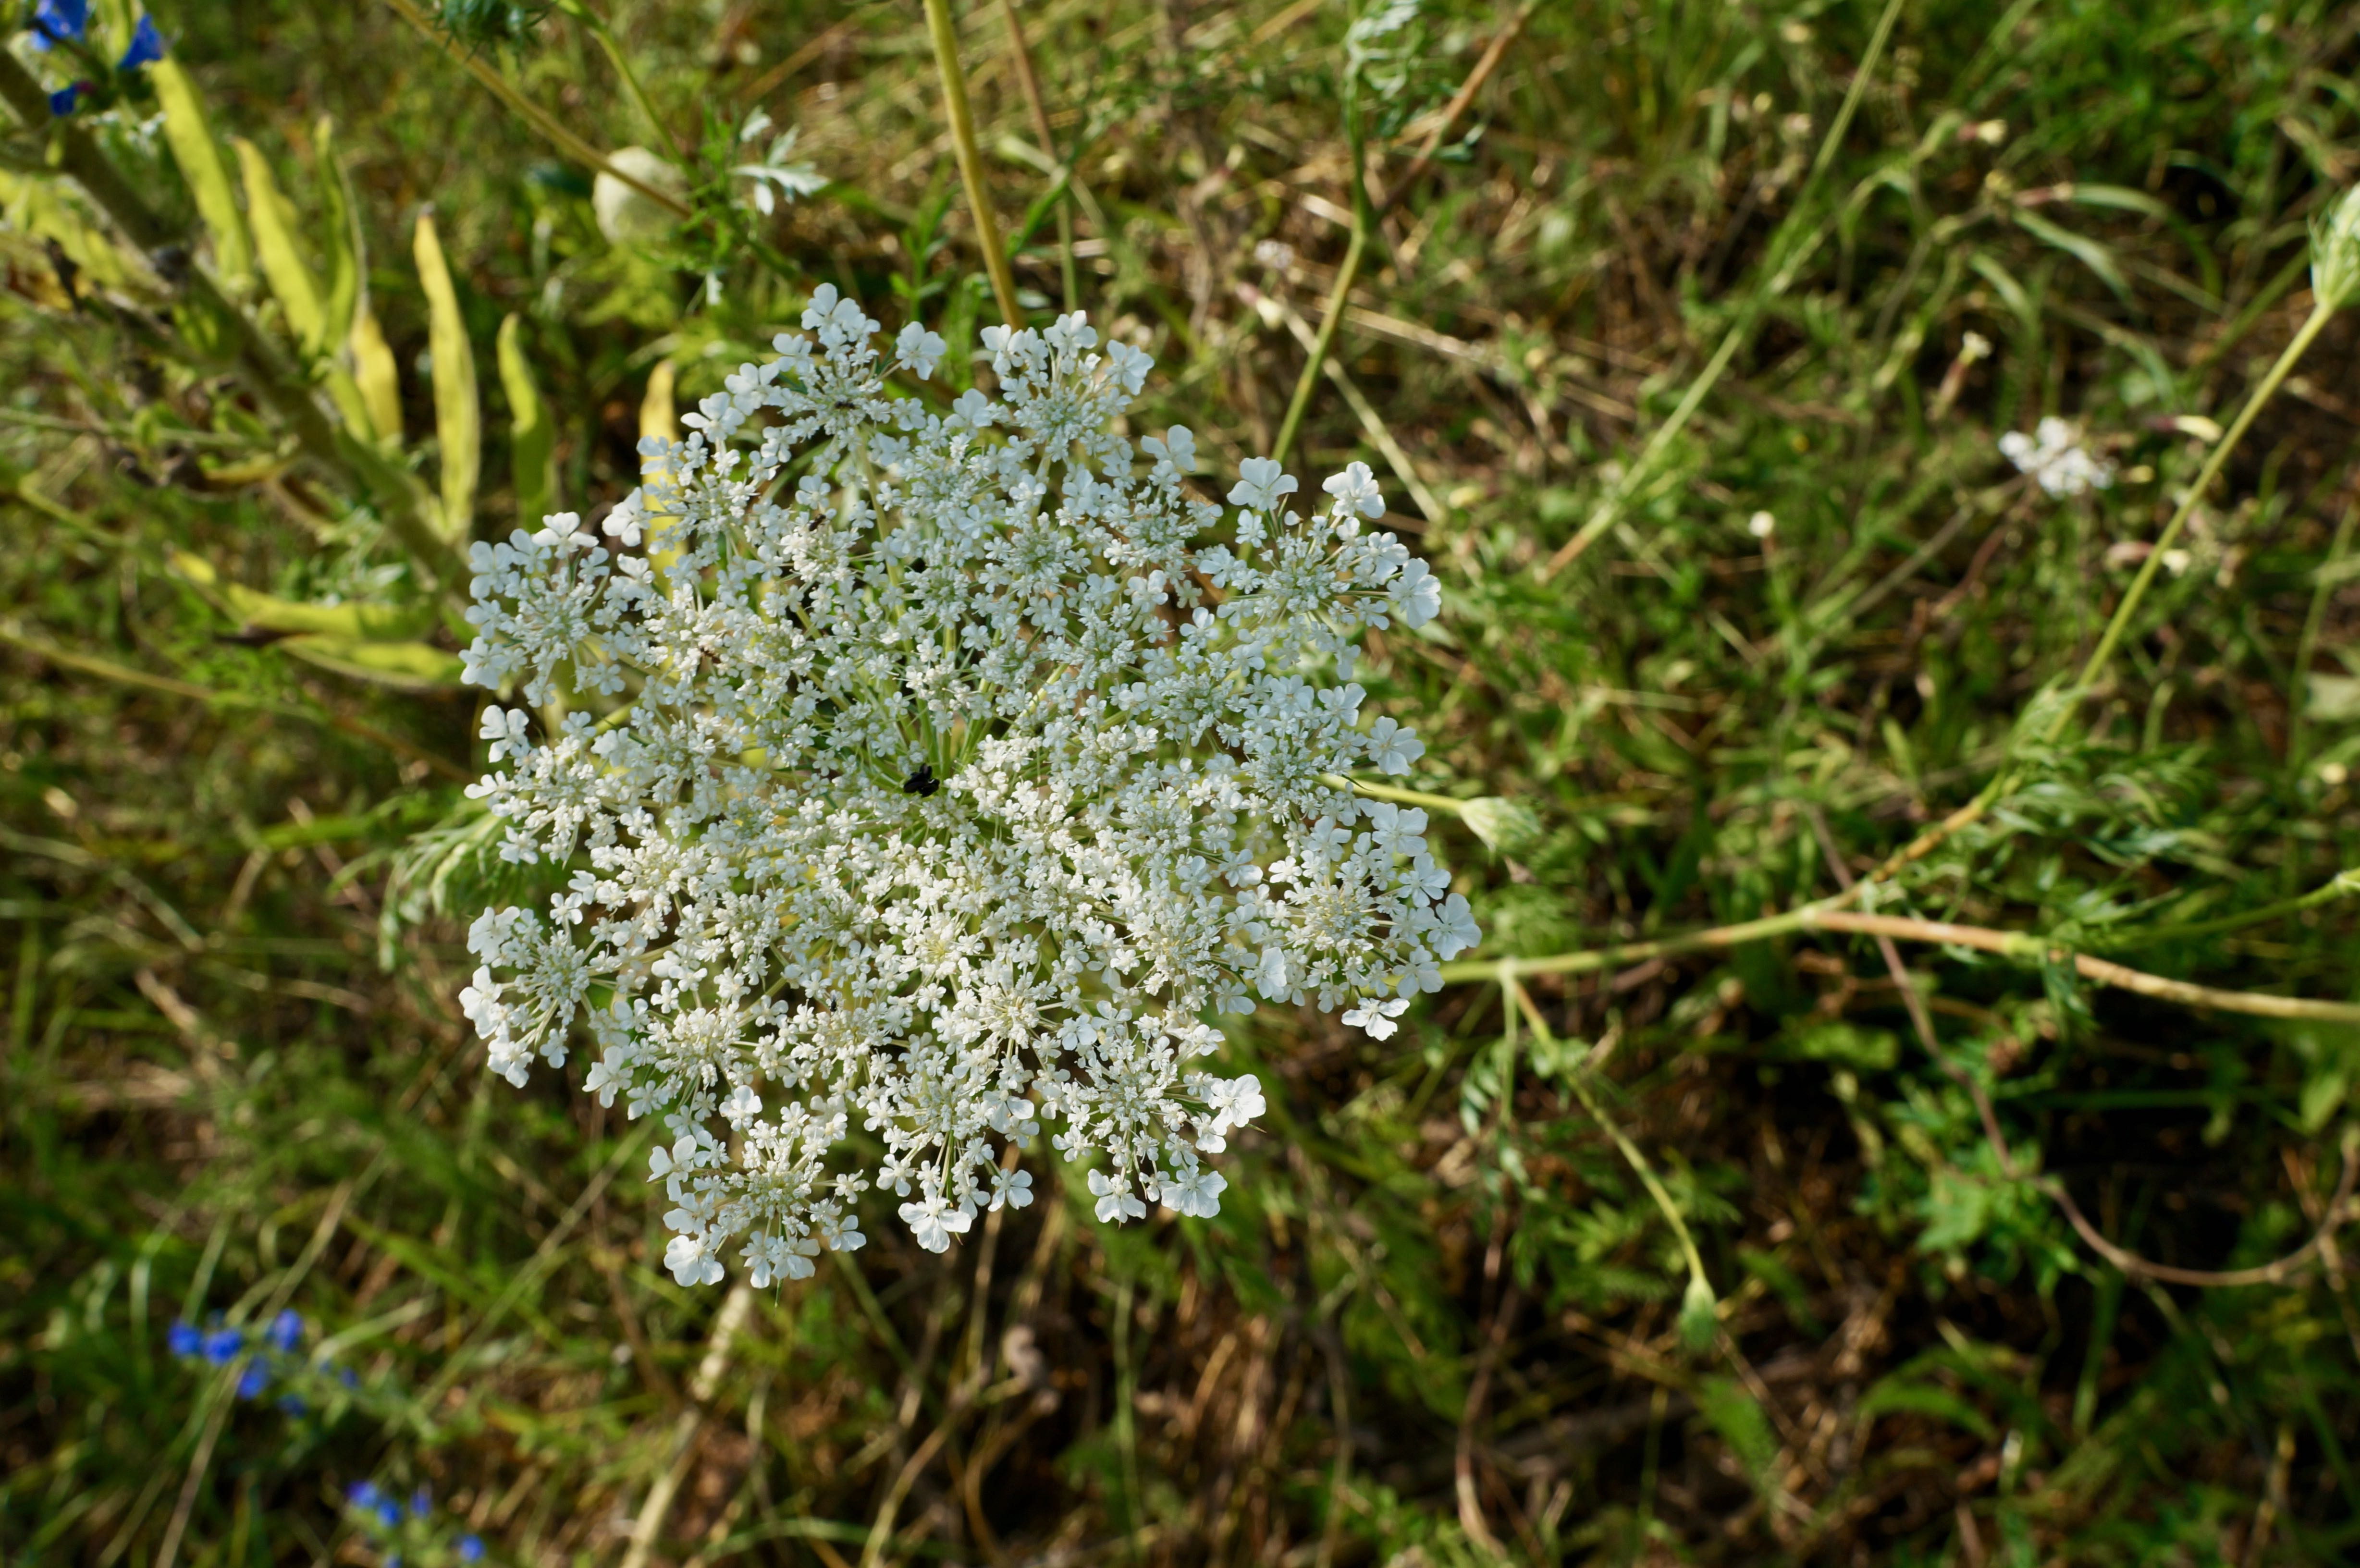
<point>273,217</point>
<point>375,374</point>
<point>458,428</point>
<point>405,666</point>
<point>532,439</point>
<point>340,239</point>
<point>195,149</point>
<point>266,612</point>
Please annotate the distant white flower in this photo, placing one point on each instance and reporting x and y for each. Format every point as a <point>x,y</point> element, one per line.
<point>771,177</point>
<point>910,776</point>
<point>2054,456</point>
<point>1276,254</point>
<point>1761,525</point>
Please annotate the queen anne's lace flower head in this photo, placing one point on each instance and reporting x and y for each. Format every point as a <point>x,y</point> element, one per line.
<point>940,773</point>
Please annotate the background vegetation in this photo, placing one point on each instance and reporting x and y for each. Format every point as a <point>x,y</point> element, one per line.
<point>1738,293</point>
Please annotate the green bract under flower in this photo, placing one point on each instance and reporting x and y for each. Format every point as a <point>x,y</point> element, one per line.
<point>955,775</point>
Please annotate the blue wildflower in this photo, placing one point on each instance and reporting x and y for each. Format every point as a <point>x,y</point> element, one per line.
<point>61,102</point>
<point>253,1381</point>
<point>348,1377</point>
<point>222,1345</point>
<point>362,1494</point>
<point>58,22</point>
<point>286,1332</point>
<point>471,1549</point>
<point>292,1404</point>
<point>421,1503</point>
<point>183,1340</point>
<point>388,1514</point>
<point>146,46</point>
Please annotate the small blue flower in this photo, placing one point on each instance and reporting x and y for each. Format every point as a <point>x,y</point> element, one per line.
<point>388,1514</point>
<point>222,1345</point>
<point>285,1332</point>
<point>421,1503</point>
<point>61,102</point>
<point>146,46</point>
<point>183,1339</point>
<point>292,1404</point>
<point>348,1377</point>
<point>253,1381</point>
<point>60,21</point>
<point>362,1494</point>
<point>471,1549</point>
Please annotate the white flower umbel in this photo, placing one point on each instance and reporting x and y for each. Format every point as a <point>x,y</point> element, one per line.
<point>940,773</point>
<point>2054,456</point>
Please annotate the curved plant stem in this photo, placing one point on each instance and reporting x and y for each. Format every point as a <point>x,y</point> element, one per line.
<point>1522,1002</point>
<point>945,34</point>
<point>1824,915</point>
<point>2130,1263</point>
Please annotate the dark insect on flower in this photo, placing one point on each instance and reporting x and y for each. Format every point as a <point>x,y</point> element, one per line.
<point>921,782</point>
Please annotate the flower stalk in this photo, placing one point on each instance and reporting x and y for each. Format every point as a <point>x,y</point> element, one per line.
<point>945,34</point>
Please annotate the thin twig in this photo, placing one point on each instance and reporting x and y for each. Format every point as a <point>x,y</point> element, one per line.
<point>1822,916</point>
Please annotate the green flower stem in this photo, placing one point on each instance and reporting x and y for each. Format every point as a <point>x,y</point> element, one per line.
<point>532,113</point>
<point>2322,313</point>
<point>1398,797</point>
<point>1333,317</point>
<point>2342,886</point>
<point>970,158</point>
<point>2298,726</point>
<point>599,30</point>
